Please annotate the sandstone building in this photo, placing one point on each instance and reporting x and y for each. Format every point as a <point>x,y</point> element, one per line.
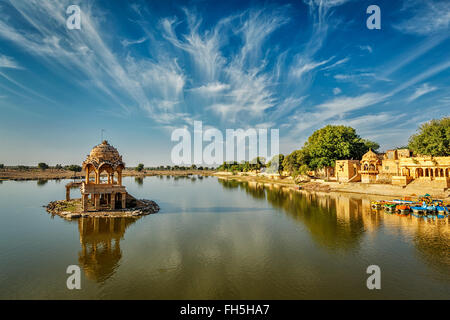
<point>399,167</point>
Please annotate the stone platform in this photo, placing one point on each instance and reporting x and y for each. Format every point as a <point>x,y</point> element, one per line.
<point>72,209</point>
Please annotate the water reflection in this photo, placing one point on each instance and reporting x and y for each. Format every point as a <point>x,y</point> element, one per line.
<point>100,245</point>
<point>339,221</point>
<point>139,181</point>
<point>432,241</point>
<point>41,182</point>
<point>332,222</point>
<point>335,222</point>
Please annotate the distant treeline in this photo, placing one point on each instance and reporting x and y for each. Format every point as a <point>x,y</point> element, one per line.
<point>42,166</point>
<point>141,167</point>
<point>77,168</point>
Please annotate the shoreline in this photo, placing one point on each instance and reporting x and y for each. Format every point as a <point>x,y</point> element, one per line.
<point>312,186</point>
<point>57,174</point>
<point>355,188</point>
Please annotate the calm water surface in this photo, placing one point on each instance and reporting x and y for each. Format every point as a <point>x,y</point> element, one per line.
<point>216,239</point>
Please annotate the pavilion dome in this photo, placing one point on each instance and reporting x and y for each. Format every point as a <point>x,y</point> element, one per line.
<point>370,156</point>
<point>104,153</point>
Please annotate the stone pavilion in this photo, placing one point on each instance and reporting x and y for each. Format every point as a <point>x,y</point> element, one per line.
<point>106,193</point>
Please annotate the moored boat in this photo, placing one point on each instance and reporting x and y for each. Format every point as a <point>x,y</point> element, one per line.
<point>390,207</point>
<point>375,205</point>
<point>403,208</point>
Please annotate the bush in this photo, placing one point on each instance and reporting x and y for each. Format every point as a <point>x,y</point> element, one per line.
<point>139,167</point>
<point>42,165</point>
<point>74,168</point>
<point>2,166</point>
<point>58,166</point>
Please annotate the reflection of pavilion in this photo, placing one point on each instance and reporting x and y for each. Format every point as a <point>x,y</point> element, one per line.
<point>100,245</point>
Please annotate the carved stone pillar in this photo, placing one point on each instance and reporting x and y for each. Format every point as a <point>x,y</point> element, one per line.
<point>113,201</point>
<point>97,201</point>
<point>124,200</point>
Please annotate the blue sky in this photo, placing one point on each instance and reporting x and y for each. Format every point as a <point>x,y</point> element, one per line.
<point>140,69</point>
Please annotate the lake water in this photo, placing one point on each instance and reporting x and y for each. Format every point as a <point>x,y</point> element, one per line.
<point>217,239</point>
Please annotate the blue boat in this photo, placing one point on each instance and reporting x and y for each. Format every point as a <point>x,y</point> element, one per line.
<point>442,209</point>
<point>424,208</point>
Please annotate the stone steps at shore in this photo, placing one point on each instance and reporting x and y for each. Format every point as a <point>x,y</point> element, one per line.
<point>388,190</point>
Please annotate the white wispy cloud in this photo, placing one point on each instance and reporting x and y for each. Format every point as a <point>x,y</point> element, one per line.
<point>336,108</point>
<point>420,91</point>
<point>368,125</point>
<point>211,88</point>
<point>416,51</point>
<point>337,63</point>
<point>191,70</point>
<point>304,67</point>
<point>366,48</point>
<point>360,78</point>
<point>8,62</point>
<point>427,17</point>
<point>127,43</point>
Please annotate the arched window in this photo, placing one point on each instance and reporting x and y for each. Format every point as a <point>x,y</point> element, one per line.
<point>109,172</point>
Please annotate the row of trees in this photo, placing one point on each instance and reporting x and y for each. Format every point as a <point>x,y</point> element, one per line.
<point>43,166</point>
<point>140,167</point>
<point>325,146</point>
<point>322,149</point>
<point>245,166</point>
<point>332,143</point>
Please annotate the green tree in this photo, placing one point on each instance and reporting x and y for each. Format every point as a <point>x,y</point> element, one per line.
<point>139,167</point>
<point>42,165</point>
<point>257,163</point>
<point>74,168</point>
<point>432,138</point>
<point>332,143</point>
<point>2,166</point>
<point>293,161</point>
